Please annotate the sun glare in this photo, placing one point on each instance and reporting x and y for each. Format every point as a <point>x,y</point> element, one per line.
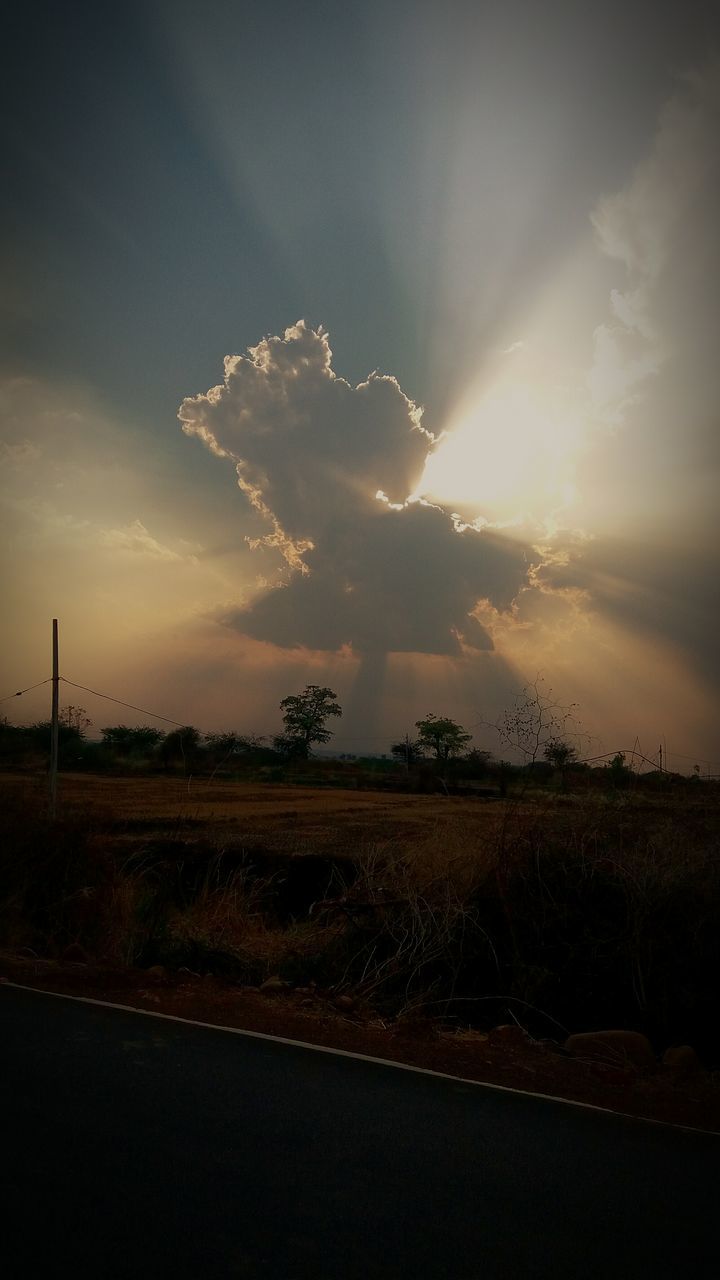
<point>508,458</point>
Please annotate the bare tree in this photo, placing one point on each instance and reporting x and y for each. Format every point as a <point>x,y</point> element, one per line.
<point>538,723</point>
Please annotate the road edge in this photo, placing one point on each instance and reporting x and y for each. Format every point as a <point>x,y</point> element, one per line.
<point>360,1057</point>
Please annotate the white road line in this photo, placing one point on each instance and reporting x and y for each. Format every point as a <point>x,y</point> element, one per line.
<point>359,1057</point>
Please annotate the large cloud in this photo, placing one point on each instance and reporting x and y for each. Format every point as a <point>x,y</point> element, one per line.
<point>329,469</point>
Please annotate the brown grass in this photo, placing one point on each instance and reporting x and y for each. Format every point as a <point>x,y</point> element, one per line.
<point>591,909</point>
<point>282,817</point>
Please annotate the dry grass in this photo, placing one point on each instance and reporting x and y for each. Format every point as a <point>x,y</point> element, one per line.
<point>593,909</point>
<point>281,817</point>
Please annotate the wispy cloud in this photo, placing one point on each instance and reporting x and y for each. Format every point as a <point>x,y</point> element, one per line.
<point>136,539</point>
<point>662,227</point>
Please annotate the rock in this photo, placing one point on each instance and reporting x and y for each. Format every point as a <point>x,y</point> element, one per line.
<point>75,954</point>
<point>345,1002</point>
<point>509,1033</point>
<point>157,972</point>
<point>273,986</point>
<point>682,1057</point>
<point>614,1048</point>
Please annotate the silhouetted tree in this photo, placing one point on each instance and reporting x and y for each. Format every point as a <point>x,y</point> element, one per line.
<point>443,737</point>
<point>477,762</point>
<point>304,718</point>
<point>559,754</point>
<point>409,750</point>
<point>68,735</point>
<point>221,747</point>
<point>536,722</point>
<point>136,741</point>
<point>619,772</point>
<point>182,746</point>
<point>75,718</point>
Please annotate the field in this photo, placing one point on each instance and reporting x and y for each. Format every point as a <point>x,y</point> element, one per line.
<point>300,819</point>
<point>555,912</point>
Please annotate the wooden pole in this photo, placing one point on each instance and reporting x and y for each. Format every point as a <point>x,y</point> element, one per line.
<point>54,731</point>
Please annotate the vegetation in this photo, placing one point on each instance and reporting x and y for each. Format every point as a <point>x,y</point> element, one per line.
<point>125,742</point>
<point>409,750</point>
<point>537,723</point>
<point>559,754</point>
<point>563,910</point>
<point>560,893</point>
<point>443,737</point>
<point>305,716</point>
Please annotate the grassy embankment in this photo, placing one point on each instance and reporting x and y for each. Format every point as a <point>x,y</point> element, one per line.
<point>563,911</point>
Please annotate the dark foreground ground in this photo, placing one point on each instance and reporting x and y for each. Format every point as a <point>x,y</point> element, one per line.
<point>137,1146</point>
<point>503,1057</point>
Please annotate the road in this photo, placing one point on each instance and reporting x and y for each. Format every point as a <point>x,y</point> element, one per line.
<point>137,1146</point>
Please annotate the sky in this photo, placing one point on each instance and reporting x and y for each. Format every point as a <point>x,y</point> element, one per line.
<point>370,346</point>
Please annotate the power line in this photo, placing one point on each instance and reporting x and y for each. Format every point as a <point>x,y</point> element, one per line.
<point>21,691</point>
<point>677,755</point>
<point>108,698</point>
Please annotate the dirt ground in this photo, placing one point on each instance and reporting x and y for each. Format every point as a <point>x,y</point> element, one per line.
<point>505,1056</point>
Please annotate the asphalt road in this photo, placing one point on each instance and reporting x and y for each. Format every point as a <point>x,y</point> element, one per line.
<point>136,1146</point>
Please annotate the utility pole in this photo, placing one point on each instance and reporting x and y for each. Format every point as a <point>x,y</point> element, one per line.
<point>660,756</point>
<point>54,732</point>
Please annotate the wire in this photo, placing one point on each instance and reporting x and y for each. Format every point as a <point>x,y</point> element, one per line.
<point>677,755</point>
<point>153,714</point>
<point>21,691</point>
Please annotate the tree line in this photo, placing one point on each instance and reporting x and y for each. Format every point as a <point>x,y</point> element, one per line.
<point>537,729</point>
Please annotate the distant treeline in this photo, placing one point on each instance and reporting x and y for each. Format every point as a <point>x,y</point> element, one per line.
<point>186,750</point>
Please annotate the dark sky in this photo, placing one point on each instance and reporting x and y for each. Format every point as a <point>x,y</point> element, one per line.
<point>193,176</point>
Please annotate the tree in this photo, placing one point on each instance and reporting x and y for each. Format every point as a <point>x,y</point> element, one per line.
<point>304,718</point>
<point>127,741</point>
<point>221,747</point>
<point>477,762</point>
<point>409,750</point>
<point>619,772</point>
<point>68,735</point>
<point>537,722</point>
<point>559,754</point>
<point>224,745</point>
<point>76,719</point>
<point>182,746</point>
<point>442,736</point>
